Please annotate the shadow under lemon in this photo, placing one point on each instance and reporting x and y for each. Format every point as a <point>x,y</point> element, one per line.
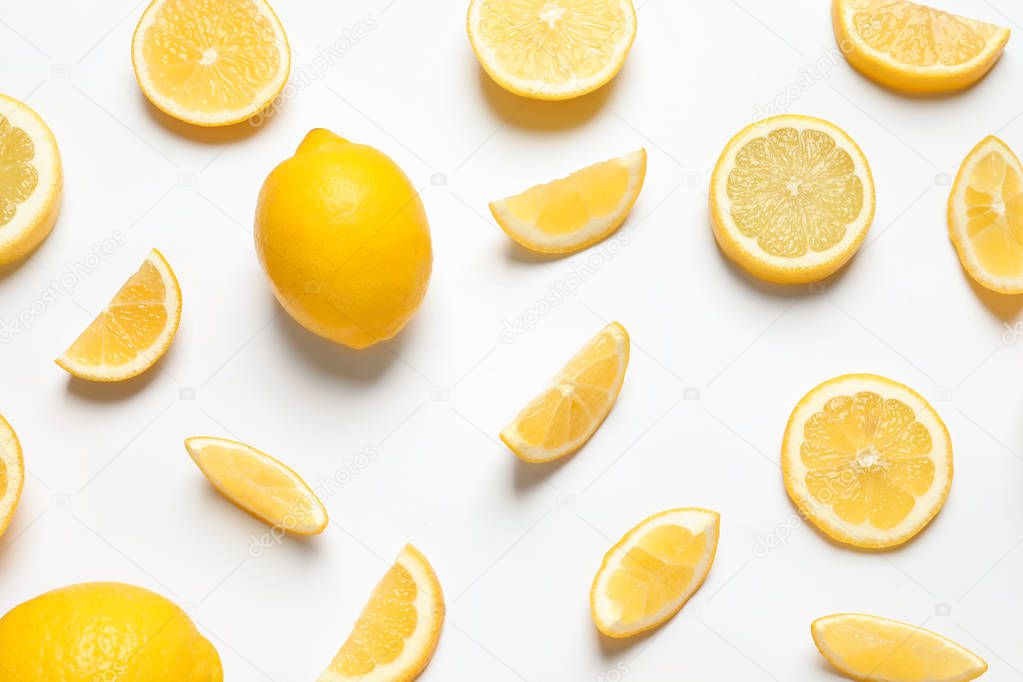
<point>1005,307</point>
<point>543,115</point>
<point>212,135</point>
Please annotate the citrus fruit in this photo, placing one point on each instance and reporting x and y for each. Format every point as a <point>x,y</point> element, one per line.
<point>133,331</point>
<point>791,199</point>
<point>12,473</point>
<point>397,632</point>
<point>344,239</point>
<point>876,649</point>
<point>985,216</point>
<point>210,62</point>
<point>104,631</point>
<point>551,49</point>
<point>914,48</point>
<point>571,409</point>
<point>652,572</point>
<point>867,460</point>
<point>31,180</point>
<point>259,484</point>
<point>572,213</point>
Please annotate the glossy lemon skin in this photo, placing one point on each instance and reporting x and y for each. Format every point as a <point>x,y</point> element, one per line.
<point>344,239</point>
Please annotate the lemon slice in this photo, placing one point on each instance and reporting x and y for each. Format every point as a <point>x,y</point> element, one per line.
<point>259,484</point>
<point>577,211</point>
<point>915,48</point>
<point>652,572</point>
<point>133,331</point>
<point>867,459</point>
<point>791,199</point>
<point>562,418</point>
<point>12,473</point>
<point>880,650</point>
<point>210,62</point>
<point>551,49</point>
<point>30,180</point>
<point>398,629</point>
<point>985,216</point>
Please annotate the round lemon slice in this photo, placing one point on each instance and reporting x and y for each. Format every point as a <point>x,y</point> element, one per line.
<point>791,199</point>
<point>133,331</point>
<point>874,649</point>
<point>867,460</point>
<point>31,180</point>
<point>12,473</point>
<point>551,49</point>
<point>575,212</point>
<point>259,484</point>
<point>985,216</point>
<point>652,572</point>
<point>914,48</point>
<point>210,62</point>
<point>397,632</point>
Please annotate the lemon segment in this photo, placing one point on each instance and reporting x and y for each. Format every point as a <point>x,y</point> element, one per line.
<point>210,62</point>
<point>31,180</point>
<point>877,649</point>
<point>259,484</point>
<point>574,212</point>
<point>985,216</point>
<point>12,473</point>
<point>792,198</point>
<point>915,48</point>
<point>867,460</point>
<point>652,572</point>
<point>551,49</point>
<point>565,415</point>
<point>133,331</point>
<point>397,632</point>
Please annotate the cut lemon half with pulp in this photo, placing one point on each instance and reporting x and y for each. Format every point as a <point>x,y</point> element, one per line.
<point>397,632</point>
<point>568,412</point>
<point>12,473</point>
<point>572,213</point>
<point>551,49</point>
<point>210,62</point>
<point>791,199</point>
<point>259,484</point>
<point>30,180</point>
<point>877,649</point>
<point>133,331</point>
<point>915,48</point>
<point>652,572</point>
<point>867,460</point>
<point>985,216</point>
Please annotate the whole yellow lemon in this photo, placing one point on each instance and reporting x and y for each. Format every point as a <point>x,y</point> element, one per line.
<point>103,631</point>
<point>344,239</point>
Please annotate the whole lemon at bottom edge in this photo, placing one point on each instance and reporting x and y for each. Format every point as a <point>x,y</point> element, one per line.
<point>343,237</point>
<point>103,631</point>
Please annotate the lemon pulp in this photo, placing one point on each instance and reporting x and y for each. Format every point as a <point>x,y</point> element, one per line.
<point>18,177</point>
<point>994,200</point>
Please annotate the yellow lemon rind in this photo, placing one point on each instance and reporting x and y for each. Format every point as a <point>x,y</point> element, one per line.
<point>14,460</point>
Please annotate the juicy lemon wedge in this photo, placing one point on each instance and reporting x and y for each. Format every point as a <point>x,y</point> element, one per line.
<point>575,212</point>
<point>867,459</point>
<point>210,62</point>
<point>12,473</point>
<point>652,572</point>
<point>551,49</point>
<point>133,331</point>
<point>397,632</point>
<point>259,484</point>
<point>985,216</point>
<point>791,199</point>
<point>566,414</point>
<point>30,180</point>
<point>915,48</point>
<point>876,649</point>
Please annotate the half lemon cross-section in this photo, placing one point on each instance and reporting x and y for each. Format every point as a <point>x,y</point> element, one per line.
<point>12,473</point>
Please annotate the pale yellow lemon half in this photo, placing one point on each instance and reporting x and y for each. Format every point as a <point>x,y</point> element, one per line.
<point>12,473</point>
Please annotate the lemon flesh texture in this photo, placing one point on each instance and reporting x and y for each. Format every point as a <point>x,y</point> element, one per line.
<point>881,650</point>
<point>344,240</point>
<point>548,49</point>
<point>210,62</point>
<point>12,473</point>
<point>98,631</point>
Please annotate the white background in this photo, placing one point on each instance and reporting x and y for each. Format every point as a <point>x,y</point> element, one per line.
<point>112,495</point>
